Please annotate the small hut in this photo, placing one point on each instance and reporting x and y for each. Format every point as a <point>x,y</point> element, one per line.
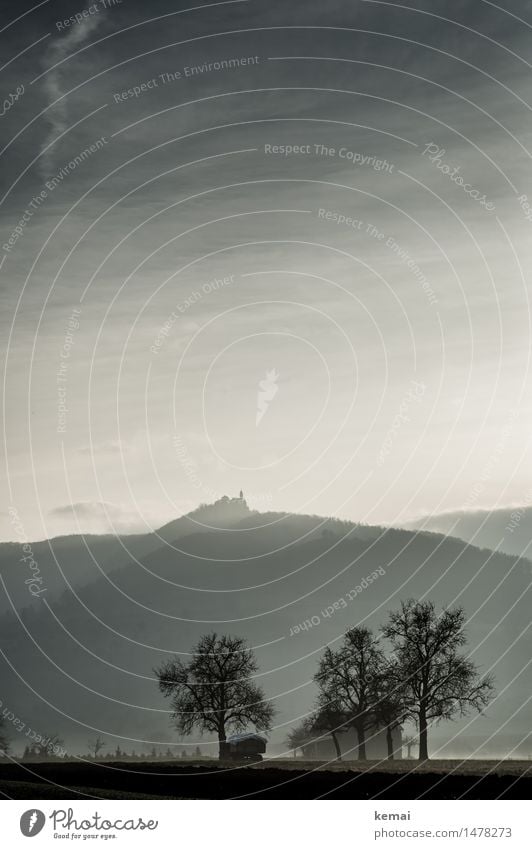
<point>245,747</point>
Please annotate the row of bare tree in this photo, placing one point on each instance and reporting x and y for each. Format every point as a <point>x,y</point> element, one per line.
<point>413,670</point>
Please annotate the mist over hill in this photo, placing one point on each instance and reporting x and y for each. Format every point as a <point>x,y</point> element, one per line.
<point>507,529</point>
<point>81,660</point>
<point>76,560</point>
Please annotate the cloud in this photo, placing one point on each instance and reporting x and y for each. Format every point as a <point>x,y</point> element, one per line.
<point>97,517</point>
<point>103,517</point>
<point>108,447</point>
<point>54,83</point>
<point>84,509</point>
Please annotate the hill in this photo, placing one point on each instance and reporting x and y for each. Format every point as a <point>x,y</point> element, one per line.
<point>508,529</point>
<point>81,662</point>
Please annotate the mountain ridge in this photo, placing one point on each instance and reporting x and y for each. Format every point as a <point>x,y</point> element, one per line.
<point>92,651</point>
<point>505,529</point>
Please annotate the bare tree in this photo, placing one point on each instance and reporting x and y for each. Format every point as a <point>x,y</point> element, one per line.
<point>301,735</point>
<point>214,691</point>
<point>45,747</point>
<point>95,746</point>
<point>440,683</point>
<point>348,678</point>
<point>390,706</point>
<point>409,742</point>
<point>329,718</point>
<point>4,740</point>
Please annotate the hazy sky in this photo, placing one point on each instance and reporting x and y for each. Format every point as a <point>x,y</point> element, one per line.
<point>276,246</point>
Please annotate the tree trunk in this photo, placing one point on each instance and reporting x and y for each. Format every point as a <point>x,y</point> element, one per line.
<point>423,736</point>
<point>222,751</point>
<point>336,746</point>
<point>361,731</point>
<point>389,742</point>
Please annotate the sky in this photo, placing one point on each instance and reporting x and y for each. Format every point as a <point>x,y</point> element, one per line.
<point>283,248</point>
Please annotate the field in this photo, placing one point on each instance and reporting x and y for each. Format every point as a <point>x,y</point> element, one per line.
<point>274,779</point>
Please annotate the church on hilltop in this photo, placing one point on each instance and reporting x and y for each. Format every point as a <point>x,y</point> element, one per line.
<point>238,500</point>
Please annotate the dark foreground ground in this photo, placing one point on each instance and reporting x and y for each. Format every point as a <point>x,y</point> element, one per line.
<point>275,779</point>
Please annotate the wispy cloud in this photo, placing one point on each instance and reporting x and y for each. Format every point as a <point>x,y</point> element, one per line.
<point>55,83</point>
<point>105,517</point>
<point>267,391</point>
<point>84,509</point>
<point>111,446</point>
